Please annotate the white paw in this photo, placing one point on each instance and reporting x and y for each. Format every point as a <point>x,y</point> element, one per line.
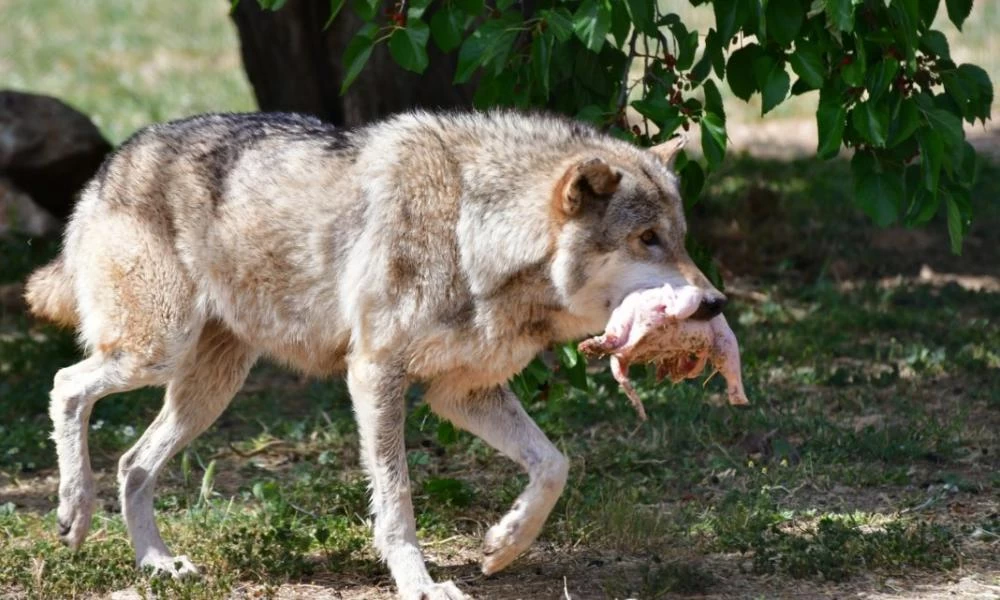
<point>178,567</point>
<point>73,517</point>
<point>504,542</point>
<point>446,590</point>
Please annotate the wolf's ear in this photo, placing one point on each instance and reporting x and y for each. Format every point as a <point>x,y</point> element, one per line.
<point>592,178</point>
<point>668,150</point>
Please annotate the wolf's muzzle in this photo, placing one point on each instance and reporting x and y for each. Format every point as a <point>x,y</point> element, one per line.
<point>710,307</point>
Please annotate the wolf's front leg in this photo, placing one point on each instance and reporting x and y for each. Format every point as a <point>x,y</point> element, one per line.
<point>378,394</point>
<point>496,416</point>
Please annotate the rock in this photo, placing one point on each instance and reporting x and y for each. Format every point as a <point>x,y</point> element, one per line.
<point>19,213</point>
<point>48,149</point>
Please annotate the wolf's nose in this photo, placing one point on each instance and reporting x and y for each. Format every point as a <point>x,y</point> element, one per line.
<point>710,307</point>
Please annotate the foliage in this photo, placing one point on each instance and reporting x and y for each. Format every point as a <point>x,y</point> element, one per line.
<point>887,86</point>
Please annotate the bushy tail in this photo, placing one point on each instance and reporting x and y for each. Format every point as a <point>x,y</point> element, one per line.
<point>49,294</point>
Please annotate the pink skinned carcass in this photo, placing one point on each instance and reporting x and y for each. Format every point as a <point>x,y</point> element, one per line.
<point>652,326</point>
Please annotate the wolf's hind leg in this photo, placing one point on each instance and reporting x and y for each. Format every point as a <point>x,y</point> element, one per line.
<point>497,417</point>
<point>75,391</point>
<point>201,388</point>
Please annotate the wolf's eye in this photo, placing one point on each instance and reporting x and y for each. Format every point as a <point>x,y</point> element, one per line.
<point>650,238</point>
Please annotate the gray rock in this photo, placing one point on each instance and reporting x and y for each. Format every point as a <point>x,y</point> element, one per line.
<point>19,214</point>
<point>48,149</point>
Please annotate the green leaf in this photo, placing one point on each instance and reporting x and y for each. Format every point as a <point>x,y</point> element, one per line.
<point>592,22</point>
<point>947,125</point>
<point>977,79</point>
<point>715,50</point>
<point>956,87</point>
<point>713,138</point>
<point>447,27</point>
<point>447,491</point>
<point>688,47</point>
<point>490,43</point>
<point>879,193</point>
<point>807,63</point>
<point>356,55</point>
<point>272,5</point>
<point>958,11</point>
<point>701,69</point>
<point>471,7</point>
<point>757,23</point>
<point>656,108</point>
<point>774,82</point>
<point>416,9</point>
<point>686,41</point>
<point>641,13</point>
<point>730,15</point>
<point>871,121</point>
<point>841,14</point>
<point>366,9</point>
<point>569,355</point>
<point>831,119</point>
<point>904,123</point>
<point>574,367</point>
<point>800,87</point>
<point>692,182</point>
<point>784,20</point>
<point>905,17</point>
<point>408,46</point>
<point>959,214</point>
<point>335,6</point>
<point>968,165</point>
<point>853,73</point>
<point>592,114</point>
<point>928,10</point>
<point>713,99</point>
<point>446,433</point>
<point>621,24</point>
<point>923,207</point>
<point>934,42</point>
<point>560,22</point>
<point>541,60</point>
<point>881,77</point>
<point>740,73</point>
<point>931,157</point>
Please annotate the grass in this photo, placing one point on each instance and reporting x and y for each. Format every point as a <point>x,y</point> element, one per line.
<point>874,414</point>
<point>869,452</point>
<point>125,63</point>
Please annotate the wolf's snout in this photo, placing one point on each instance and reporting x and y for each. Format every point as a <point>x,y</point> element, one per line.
<point>710,307</point>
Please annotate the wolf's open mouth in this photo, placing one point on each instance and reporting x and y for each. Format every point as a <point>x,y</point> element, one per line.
<point>652,326</point>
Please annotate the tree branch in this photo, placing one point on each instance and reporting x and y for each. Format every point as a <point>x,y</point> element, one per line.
<point>624,88</point>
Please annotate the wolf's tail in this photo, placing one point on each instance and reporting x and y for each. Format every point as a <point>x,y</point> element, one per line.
<point>49,293</point>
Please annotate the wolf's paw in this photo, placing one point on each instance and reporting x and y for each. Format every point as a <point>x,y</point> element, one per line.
<point>178,567</point>
<point>504,542</point>
<point>446,590</point>
<point>73,518</point>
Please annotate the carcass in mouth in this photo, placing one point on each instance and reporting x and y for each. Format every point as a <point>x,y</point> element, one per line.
<point>652,326</point>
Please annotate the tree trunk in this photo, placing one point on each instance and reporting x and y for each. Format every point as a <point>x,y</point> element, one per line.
<point>295,65</point>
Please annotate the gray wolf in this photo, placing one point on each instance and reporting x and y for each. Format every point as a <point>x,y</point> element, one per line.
<point>445,249</point>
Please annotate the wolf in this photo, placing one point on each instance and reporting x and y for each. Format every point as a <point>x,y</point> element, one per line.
<point>441,249</point>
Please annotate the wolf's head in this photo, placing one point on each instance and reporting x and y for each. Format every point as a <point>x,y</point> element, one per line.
<point>621,228</point>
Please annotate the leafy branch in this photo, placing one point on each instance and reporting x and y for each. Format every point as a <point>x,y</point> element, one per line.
<point>885,84</point>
